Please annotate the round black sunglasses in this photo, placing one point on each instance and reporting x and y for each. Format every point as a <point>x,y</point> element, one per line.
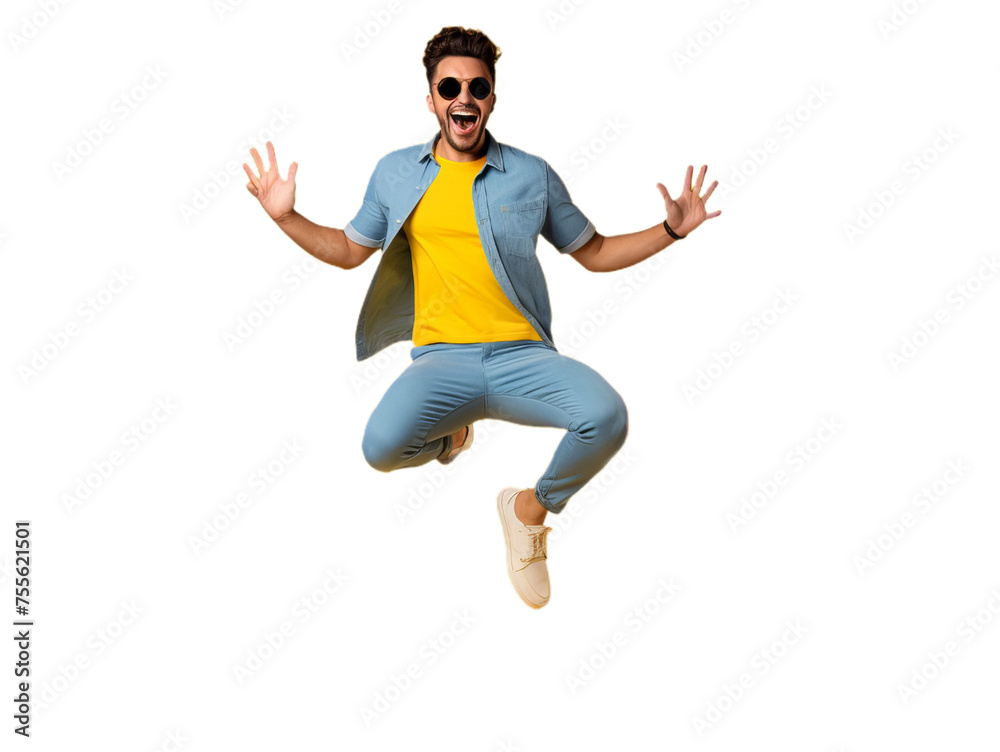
<point>450,87</point>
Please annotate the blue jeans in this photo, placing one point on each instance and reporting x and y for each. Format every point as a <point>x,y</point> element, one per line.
<point>450,385</point>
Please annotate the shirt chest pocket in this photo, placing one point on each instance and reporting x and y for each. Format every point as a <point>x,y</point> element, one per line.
<point>522,222</point>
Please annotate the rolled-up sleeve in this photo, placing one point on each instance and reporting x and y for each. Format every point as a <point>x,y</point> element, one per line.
<point>565,226</point>
<point>369,225</point>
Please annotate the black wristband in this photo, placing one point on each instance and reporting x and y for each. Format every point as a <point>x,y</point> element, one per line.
<point>671,233</point>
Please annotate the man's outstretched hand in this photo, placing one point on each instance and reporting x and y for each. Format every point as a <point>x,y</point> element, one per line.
<point>276,195</point>
<point>688,211</point>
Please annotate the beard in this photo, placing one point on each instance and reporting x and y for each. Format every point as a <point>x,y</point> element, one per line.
<point>468,144</point>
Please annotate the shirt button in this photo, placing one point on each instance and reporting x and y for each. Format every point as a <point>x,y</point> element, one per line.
<point>398,221</point>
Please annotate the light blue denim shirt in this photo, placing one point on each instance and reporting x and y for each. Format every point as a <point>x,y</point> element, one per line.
<point>516,197</point>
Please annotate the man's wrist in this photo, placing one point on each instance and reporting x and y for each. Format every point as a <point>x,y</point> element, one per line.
<point>671,233</point>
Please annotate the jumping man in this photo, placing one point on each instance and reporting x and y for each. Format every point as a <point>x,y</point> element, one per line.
<point>458,219</point>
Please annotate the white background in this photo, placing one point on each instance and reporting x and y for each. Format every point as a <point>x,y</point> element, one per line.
<point>894,78</point>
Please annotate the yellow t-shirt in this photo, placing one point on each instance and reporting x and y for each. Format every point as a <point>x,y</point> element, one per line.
<point>456,296</point>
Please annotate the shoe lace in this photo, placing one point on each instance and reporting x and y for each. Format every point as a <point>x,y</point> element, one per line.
<point>537,538</point>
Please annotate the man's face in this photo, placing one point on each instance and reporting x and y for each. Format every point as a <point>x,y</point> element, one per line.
<point>466,139</point>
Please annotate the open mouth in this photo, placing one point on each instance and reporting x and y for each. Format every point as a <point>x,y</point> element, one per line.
<point>464,121</point>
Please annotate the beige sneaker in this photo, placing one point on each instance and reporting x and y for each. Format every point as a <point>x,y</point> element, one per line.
<point>526,553</point>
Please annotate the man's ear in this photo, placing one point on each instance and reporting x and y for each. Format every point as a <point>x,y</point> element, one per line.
<point>430,103</point>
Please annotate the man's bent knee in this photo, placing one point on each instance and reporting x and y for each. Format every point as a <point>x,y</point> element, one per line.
<point>617,427</point>
<point>380,454</point>
<point>607,422</point>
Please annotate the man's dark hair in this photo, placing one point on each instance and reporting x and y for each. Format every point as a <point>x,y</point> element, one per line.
<point>457,40</point>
